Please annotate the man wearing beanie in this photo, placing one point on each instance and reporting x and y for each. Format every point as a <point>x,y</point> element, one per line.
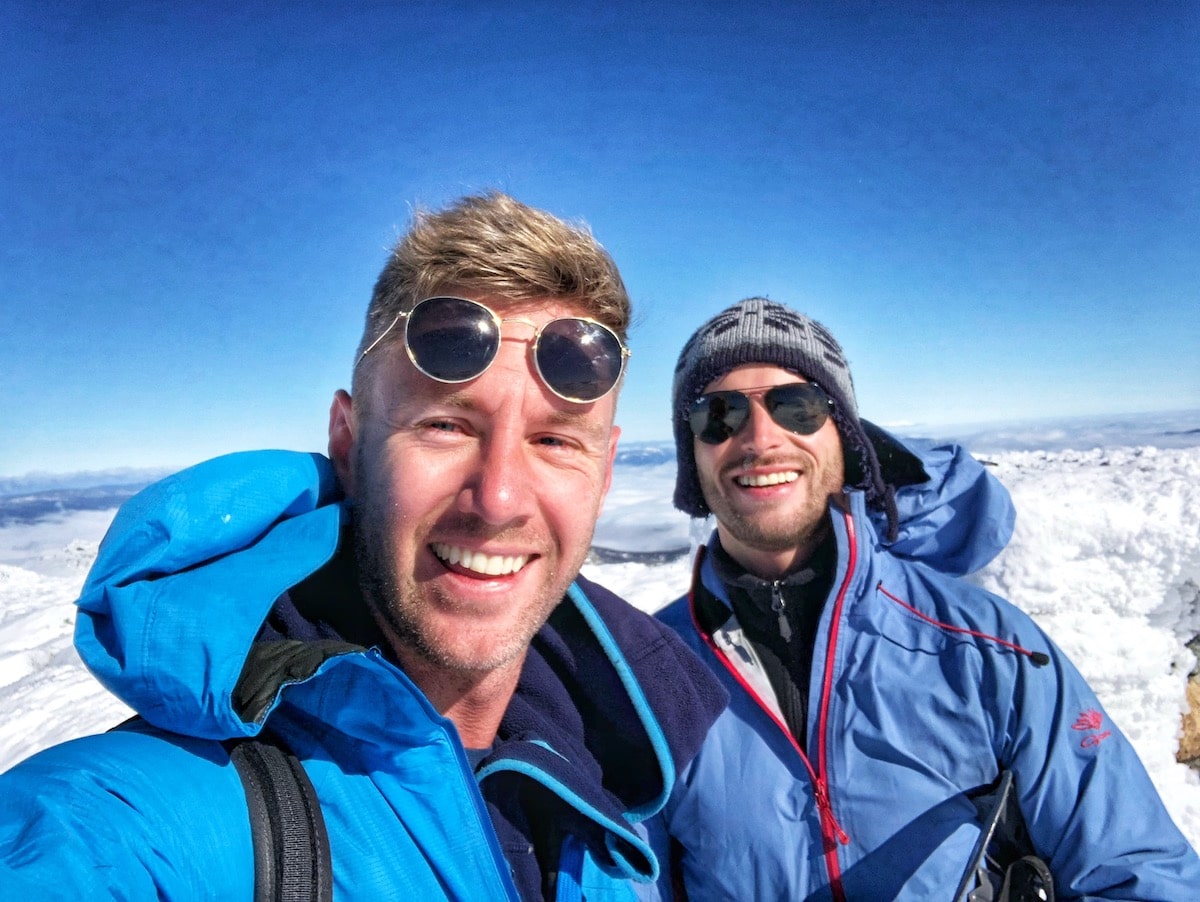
<point>882,708</point>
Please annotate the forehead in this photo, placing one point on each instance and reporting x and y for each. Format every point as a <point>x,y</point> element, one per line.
<point>753,375</point>
<point>538,309</point>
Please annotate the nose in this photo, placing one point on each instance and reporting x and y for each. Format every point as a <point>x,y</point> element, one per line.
<point>501,490</point>
<point>760,433</point>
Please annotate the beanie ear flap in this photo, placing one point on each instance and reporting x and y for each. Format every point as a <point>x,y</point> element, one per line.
<point>853,463</point>
<point>879,466</point>
<point>689,497</point>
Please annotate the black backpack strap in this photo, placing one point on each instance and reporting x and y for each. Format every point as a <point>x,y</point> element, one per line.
<point>291,846</point>
<point>1003,866</point>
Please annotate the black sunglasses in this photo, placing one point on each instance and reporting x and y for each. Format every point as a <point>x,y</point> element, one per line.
<point>456,339</point>
<point>799,407</point>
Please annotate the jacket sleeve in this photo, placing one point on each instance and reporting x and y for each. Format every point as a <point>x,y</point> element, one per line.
<point>125,815</point>
<point>1091,809</point>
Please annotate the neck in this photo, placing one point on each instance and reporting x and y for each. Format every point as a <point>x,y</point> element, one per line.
<point>474,701</point>
<point>770,563</point>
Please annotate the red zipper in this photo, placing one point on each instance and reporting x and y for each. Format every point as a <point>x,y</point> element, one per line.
<point>832,826</point>
<point>832,833</point>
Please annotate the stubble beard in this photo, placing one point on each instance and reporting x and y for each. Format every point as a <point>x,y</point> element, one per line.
<point>773,530</point>
<point>399,602</point>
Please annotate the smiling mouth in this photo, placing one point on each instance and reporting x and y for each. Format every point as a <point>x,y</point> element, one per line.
<point>765,479</point>
<point>478,562</point>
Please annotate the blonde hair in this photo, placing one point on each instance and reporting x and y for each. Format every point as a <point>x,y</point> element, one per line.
<point>493,244</point>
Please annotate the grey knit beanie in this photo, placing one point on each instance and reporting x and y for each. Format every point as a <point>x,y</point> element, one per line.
<point>760,331</point>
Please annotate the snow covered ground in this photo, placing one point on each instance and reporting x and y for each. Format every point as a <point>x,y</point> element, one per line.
<point>1106,557</point>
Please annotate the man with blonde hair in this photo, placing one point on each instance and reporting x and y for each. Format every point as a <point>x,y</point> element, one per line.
<point>404,617</point>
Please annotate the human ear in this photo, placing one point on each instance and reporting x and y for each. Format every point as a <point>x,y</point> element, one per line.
<point>613,438</point>
<point>341,439</point>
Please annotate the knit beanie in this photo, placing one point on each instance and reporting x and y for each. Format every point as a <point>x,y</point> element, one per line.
<point>758,331</point>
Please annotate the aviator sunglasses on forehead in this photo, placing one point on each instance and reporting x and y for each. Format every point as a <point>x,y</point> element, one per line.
<point>799,407</point>
<point>455,340</point>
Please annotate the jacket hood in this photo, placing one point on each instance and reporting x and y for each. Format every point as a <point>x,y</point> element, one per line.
<point>953,515</point>
<point>186,575</point>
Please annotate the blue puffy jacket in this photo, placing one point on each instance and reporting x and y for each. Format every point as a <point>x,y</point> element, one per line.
<point>923,688</point>
<point>213,609</point>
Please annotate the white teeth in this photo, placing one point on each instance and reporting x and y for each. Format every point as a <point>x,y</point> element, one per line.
<point>487,564</point>
<point>768,479</point>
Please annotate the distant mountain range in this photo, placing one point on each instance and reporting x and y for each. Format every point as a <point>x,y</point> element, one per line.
<point>115,477</point>
<point>30,507</point>
<point>26,499</point>
<point>36,496</point>
<point>645,454</point>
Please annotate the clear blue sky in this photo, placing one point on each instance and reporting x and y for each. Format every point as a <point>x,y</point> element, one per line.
<point>994,206</point>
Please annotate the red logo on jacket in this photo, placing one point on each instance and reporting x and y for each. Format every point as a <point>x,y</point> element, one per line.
<point>1090,722</point>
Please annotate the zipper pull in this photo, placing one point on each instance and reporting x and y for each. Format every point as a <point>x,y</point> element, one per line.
<point>821,791</point>
<point>778,605</point>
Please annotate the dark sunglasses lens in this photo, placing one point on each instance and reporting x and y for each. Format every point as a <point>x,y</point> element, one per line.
<point>579,360</point>
<point>717,416</point>
<point>452,339</point>
<point>802,408</point>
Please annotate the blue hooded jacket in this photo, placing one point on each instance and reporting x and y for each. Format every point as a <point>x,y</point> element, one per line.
<point>923,687</point>
<point>222,601</point>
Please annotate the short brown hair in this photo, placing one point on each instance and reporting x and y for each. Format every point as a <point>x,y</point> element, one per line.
<point>497,245</point>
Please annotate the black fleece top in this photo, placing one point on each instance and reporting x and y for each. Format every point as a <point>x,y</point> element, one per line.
<point>780,618</point>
